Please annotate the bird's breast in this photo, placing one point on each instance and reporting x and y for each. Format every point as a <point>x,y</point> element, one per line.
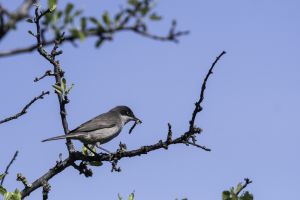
<point>105,135</point>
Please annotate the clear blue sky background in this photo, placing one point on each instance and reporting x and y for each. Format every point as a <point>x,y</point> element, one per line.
<point>250,117</point>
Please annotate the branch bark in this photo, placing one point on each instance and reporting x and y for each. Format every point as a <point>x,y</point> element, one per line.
<point>187,138</point>
<point>92,33</point>
<point>8,166</point>
<point>118,155</point>
<point>24,110</point>
<point>58,73</point>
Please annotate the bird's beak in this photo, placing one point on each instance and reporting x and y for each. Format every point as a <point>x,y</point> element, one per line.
<point>138,121</point>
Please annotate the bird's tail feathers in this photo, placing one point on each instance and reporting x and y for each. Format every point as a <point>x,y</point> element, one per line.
<point>56,138</point>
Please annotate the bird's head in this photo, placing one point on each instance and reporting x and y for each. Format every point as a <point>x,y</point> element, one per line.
<point>126,114</point>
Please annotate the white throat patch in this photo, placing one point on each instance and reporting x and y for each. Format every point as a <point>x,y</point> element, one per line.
<point>125,119</point>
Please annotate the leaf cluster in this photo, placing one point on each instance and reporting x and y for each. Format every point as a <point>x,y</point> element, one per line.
<point>15,195</point>
<point>235,194</point>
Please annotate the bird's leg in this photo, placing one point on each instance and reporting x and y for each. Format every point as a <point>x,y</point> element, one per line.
<point>90,149</point>
<point>99,147</point>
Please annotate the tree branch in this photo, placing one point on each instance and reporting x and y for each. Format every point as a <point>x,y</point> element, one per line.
<point>15,17</point>
<point>198,107</point>
<point>92,33</point>
<point>118,155</point>
<point>129,19</point>
<point>24,110</point>
<point>58,73</point>
<point>8,166</point>
<point>247,182</point>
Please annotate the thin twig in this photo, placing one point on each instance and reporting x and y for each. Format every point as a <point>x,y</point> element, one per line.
<point>8,166</point>
<point>118,155</point>
<point>24,110</point>
<point>47,73</point>
<point>92,33</point>
<point>199,146</point>
<point>58,73</point>
<point>198,107</point>
<point>247,182</point>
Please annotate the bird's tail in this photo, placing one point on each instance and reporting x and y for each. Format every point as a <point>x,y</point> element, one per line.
<point>56,138</point>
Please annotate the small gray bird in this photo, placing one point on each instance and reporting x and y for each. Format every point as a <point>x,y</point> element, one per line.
<point>102,128</point>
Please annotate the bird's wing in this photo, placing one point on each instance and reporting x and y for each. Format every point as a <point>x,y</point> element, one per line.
<point>102,121</point>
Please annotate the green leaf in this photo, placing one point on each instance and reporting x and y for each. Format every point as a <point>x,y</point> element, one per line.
<point>131,196</point>
<point>29,20</point>
<point>78,34</point>
<point>106,19</point>
<point>133,2</point>
<point>16,195</point>
<point>238,188</point>
<point>58,89</point>
<point>2,190</point>
<point>226,195</point>
<point>1,176</point>
<point>52,5</point>
<point>30,32</point>
<point>77,13</point>
<point>83,23</point>
<point>99,42</point>
<point>69,89</point>
<point>52,8</point>
<point>119,197</point>
<point>69,8</point>
<point>64,84</point>
<point>118,17</point>
<point>246,196</point>
<point>232,190</point>
<point>85,151</point>
<point>96,22</point>
<point>144,10</point>
<point>155,17</point>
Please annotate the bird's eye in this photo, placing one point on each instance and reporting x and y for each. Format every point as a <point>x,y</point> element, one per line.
<point>127,113</point>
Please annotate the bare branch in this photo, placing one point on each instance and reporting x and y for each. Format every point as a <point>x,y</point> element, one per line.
<point>198,107</point>
<point>121,153</point>
<point>23,179</point>
<point>47,73</point>
<point>24,110</point>
<point>199,146</point>
<point>8,166</point>
<point>58,73</point>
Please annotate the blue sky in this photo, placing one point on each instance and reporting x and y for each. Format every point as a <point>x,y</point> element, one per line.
<point>250,116</point>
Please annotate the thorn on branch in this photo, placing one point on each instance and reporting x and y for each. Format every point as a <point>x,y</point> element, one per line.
<point>169,137</point>
<point>23,179</point>
<point>59,161</point>
<point>122,148</point>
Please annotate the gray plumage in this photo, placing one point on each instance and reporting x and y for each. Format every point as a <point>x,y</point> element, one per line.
<point>102,128</point>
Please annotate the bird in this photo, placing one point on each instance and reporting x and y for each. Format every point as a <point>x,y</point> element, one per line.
<point>102,128</point>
